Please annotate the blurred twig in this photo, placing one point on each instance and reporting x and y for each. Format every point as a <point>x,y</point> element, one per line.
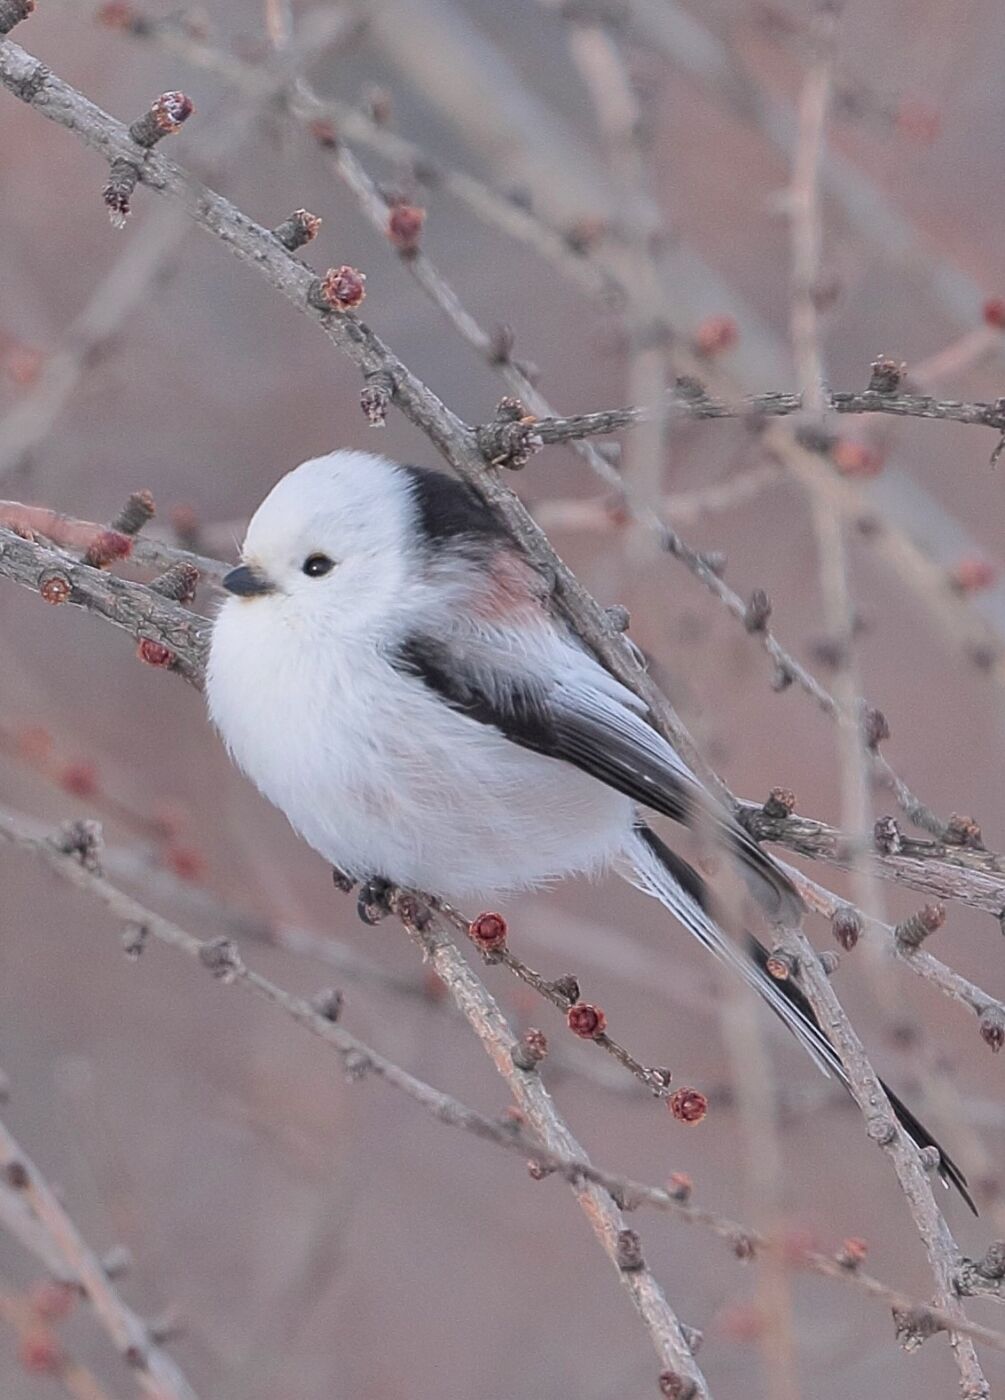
<point>156,1373</point>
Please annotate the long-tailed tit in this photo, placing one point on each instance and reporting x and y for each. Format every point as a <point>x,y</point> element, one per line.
<point>389,675</point>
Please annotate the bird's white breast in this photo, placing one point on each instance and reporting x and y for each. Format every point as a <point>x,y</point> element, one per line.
<point>382,778</point>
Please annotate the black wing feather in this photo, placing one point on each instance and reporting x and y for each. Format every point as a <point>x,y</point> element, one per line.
<point>597,748</point>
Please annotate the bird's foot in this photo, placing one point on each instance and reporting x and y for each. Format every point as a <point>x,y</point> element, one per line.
<point>374,900</point>
<point>343,882</point>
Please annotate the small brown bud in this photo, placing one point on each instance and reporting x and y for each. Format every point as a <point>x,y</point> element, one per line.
<point>341,289</point>
<point>55,588</point>
<point>179,582</point>
<point>510,409</point>
<point>185,524</point>
<point>376,396</point>
<point>913,1326</point>
<point>887,836</point>
<point>585,234</point>
<point>138,510</point>
<point>628,1251</point>
<point>912,932</point>
<point>530,1050</point>
<point>992,1266</point>
<point>165,116</point>
<point>488,932</point>
<point>781,964</point>
<point>781,803</point>
<point>992,1024</point>
<point>964,831</point>
<point>566,987</point>
<point>501,341</point>
<point>586,1020</point>
<point>82,839</point>
<point>328,1003</point>
<point>993,313</point>
<point>875,729</point>
<point>155,653</point>
<point>846,926</point>
<point>742,1245</point>
<point>343,882</point>
<point>537,1171</point>
<point>688,1105</point>
<point>757,612</point>
<point>881,1129</point>
<point>674,1386</point>
<point>852,1253</point>
<point>679,1186</point>
<point>16,1175</point>
<point>222,959</point>
<point>299,228</point>
<point>134,940</point>
<point>886,375</point>
<point>404,227</point>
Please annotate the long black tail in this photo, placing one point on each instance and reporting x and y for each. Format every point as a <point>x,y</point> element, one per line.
<point>679,887</point>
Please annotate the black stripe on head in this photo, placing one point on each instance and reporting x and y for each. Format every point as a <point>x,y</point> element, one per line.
<point>450,510</point>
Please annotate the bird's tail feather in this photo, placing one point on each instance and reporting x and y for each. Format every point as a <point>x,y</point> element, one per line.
<point>659,872</point>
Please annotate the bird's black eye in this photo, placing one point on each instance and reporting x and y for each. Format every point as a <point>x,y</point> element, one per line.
<point>317,565</point>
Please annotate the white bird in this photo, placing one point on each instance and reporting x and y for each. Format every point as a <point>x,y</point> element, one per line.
<point>388,673</point>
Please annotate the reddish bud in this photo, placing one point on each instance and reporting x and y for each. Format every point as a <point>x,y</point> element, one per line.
<point>53,1300</point>
<point>404,226</point>
<point>488,931</point>
<point>154,653</point>
<point>715,335</point>
<point>106,546</point>
<point>342,288</point>
<point>856,459</point>
<point>55,588</point>
<point>80,778</point>
<point>39,1352</point>
<point>972,575</point>
<point>586,1020</point>
<point>780,965</point>
<point>170,110</point>
<point>688,1105</point>
<point>993,312</point>
<point>324,133</point>
<point>185,524</point>
<point>962,830</point>
<point>846,926</point>
<point>680,1186</point>
<point>185,862</point>
<point>852,1253</point>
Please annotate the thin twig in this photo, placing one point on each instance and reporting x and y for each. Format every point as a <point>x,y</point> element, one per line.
<point>157,1374</point>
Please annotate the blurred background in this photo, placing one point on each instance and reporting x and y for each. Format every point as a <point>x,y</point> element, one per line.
<point>326,1241</point>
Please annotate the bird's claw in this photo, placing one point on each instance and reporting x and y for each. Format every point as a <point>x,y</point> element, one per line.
<point>373,902</point>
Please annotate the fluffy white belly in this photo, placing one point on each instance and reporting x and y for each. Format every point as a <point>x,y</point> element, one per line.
<point>381,778</point>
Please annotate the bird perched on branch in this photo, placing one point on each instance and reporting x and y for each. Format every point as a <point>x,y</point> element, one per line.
<point>388,673</point>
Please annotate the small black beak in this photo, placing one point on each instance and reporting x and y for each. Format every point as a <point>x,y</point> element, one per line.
<point>246,582</point>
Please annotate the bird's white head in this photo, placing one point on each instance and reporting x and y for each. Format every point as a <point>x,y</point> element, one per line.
<point>329,547</point>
